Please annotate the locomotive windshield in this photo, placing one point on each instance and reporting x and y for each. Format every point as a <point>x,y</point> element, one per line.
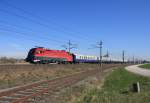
<point>30,54</point>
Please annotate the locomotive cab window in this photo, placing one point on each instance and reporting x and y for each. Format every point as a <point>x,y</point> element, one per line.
<point>40,52</point>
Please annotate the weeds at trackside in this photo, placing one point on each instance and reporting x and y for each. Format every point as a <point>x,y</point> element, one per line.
<point>116,89</point>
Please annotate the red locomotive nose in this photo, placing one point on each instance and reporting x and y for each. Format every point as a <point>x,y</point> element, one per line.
<point>42,55</point>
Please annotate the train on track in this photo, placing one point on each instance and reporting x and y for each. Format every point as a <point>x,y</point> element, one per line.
<point>41,55</point>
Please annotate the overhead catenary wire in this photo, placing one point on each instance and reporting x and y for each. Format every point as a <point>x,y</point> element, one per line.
<point>36,22</point>
<point>60,27</point>
<point>40,37</point>
<point>30,30</point>
<point>22,35</point>
<point>21,39</point>
<point>69,46</point>
<point>33,21</point>
<point>26,18</point>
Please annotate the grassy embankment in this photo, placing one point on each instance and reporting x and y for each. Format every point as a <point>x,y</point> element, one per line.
<point>116,89</point>
<point>146,66</point>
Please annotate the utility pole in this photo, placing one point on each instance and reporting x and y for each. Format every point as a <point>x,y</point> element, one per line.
<point>123,56</point>
<point>133,60</point>
<point>106,55</point>
<point>69,46</point>
<point>100,44</point>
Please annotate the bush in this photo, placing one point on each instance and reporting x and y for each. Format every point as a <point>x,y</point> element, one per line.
<point>4,60</point>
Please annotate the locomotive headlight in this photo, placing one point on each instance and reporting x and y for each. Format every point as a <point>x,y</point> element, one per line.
<point>35,59</point>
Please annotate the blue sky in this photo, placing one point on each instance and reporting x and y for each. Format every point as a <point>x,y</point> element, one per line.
<point>120,24</point>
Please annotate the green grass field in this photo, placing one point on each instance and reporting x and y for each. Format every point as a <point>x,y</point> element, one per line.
<point>147,66</point>
<point>116,89</point>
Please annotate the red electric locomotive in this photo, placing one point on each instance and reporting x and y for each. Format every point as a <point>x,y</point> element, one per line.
<point>44,56</point>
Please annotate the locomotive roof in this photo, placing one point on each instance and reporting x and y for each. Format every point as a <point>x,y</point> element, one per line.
<point>49,49</point>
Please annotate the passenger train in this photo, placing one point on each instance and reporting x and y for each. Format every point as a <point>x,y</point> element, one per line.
<point>41,55</point>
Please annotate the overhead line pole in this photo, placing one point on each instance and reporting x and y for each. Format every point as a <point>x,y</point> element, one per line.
<point>133,60</point>
<point>100,47</point>
<point>69,46</point>
<point>123,56</point>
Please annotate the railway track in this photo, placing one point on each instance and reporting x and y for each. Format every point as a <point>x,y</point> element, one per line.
<point>25,93</point>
